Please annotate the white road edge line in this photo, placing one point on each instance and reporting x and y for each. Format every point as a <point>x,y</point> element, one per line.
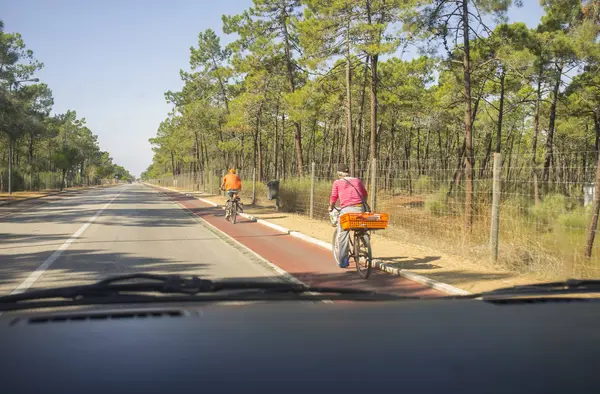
<point>35,275</point>
<point>291,278</point>
<point>274,267</point>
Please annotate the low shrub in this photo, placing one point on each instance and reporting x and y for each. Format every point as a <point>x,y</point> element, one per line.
<point>574,221</point>
<point>549,209</point>
<point>423,185</point>
<point>437,204</point>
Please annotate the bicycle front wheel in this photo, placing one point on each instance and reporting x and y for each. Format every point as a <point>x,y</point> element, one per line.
<point>227,210</point>
<point>335,246</point>
<point>362,254</point>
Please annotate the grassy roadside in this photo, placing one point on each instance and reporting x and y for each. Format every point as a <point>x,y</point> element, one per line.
<point>544,241</point>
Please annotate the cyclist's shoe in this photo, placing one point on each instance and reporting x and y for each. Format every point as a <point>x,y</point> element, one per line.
<point>345,263</point>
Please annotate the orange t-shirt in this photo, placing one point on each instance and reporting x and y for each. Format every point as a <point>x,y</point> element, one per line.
<point>232,182</point>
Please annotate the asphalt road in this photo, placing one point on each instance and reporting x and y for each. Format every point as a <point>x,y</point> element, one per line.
<point>81,238</point>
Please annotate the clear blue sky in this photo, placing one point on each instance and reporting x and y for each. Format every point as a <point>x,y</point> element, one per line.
<point>111,60</point>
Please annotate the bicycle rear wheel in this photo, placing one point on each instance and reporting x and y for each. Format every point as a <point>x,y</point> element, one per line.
<point>233,212</point>
<point>362,254</point>
<point>227,210</point>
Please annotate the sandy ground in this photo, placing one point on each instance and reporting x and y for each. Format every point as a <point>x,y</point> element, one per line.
<point>19,196</point>
<point>470,275</point>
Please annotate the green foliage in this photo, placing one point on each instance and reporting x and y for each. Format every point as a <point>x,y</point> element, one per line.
<point>577,220</point>
<point>437,204</point>
<point>423,185</point>
<point>551,207</point>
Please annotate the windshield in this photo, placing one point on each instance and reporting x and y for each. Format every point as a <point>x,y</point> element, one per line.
<point>413,148</point>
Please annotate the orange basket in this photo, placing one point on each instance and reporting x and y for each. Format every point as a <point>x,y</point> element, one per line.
<point>362,221</point>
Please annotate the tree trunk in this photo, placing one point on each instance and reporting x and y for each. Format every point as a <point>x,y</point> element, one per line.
<point>418,151</point>
<point>597,130</point>
<point>500,113</point>
<point>275,144</point>
<point>10,164</point>
<point>468,114</point>
<point>283,146</point>
<point>372,144</point>
<point>259,173</point>
<point>391,155</point>
<point>322,159</point>
<point>426,161</point>
<point>536,131</point>
<point>460,164</point>
<point>197,152</point>
<point>350,135</point>
<point>311,142</point>
<point>31,149</point>
<point>330,162</point>
<point>407,149</point>
<point>373,58</point>
<point>207,164</point>
<point>338,144</point>
<point>62,179</point>
<point>361,115</point>
<point>290,77</point>
<point>552,124</point>
<point>443,157</point>
<point>173,169</point>
<point>488,152</point>
<point>518,171</point>
<point>222,86</point>
<point>255,147</point>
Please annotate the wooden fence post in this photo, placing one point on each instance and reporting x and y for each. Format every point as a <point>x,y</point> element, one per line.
<point>312,189</point>
<point>496,202</point>
<point>373,185</point>
<point>253,186</point>
<point>595,211</point>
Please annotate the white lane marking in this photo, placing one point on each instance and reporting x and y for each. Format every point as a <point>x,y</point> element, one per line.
<point>35,275</point>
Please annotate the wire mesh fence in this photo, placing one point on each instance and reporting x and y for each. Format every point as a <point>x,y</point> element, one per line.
<point>544,213</point>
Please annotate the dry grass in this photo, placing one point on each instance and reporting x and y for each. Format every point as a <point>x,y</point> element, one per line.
<point>19,196</point>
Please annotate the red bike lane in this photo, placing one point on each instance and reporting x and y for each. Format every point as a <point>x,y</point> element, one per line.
<point>307,262</point>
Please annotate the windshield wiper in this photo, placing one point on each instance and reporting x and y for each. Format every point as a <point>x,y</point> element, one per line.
<point>120,289</point>
<point>570,286</point>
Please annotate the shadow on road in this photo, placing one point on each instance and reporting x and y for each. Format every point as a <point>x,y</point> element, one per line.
<point>84,266</point>
<point>411,264</point>
<point>8,239</point>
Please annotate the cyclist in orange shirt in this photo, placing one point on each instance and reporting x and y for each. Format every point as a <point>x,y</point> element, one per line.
<point>232,184</point>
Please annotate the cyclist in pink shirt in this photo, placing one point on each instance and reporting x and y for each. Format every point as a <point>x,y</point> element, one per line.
<point>351,193</point>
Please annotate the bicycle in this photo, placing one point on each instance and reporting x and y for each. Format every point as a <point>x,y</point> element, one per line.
<point>232,207</point>
<point>359,250</point>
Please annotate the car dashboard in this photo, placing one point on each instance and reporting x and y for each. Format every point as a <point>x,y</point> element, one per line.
<point>405,346</point>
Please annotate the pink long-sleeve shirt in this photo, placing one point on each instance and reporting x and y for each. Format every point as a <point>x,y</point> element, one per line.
<point>346,193</point>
